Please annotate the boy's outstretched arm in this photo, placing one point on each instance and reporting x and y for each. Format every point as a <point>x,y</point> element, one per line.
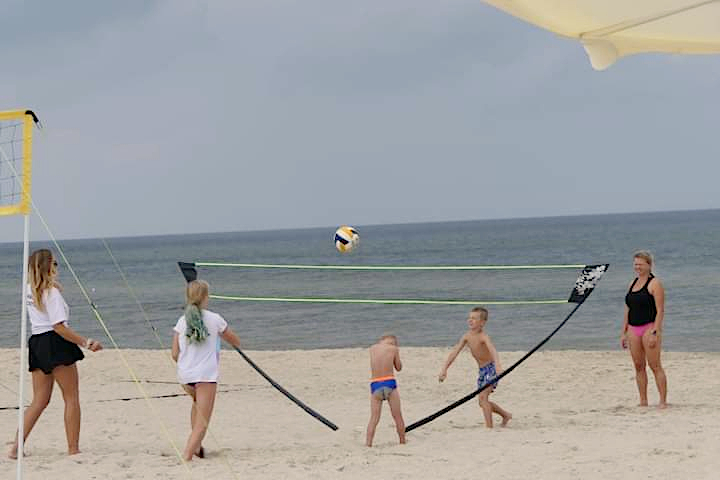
<point>396,361</point>
<point>451,358</point>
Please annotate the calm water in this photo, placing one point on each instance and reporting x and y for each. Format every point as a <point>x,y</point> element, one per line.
<point>685,245</point>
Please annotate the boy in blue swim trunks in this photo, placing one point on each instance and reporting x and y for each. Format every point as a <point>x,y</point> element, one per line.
<point>484,353</point>
<point>384,360</point>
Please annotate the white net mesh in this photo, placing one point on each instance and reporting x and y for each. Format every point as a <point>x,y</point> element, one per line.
<point>11,162</point>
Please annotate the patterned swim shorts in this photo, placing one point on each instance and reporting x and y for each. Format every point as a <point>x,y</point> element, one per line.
<point>487,375</point>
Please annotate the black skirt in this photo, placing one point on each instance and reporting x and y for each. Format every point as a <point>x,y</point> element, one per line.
<point>49,350</point>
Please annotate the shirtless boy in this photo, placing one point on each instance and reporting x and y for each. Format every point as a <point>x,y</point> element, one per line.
<point>484,353</point>
<point>384,360</point>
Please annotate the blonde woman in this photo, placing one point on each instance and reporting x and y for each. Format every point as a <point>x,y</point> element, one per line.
<point>643,326</point>
<point>53,349</point>
<point>196,349</point>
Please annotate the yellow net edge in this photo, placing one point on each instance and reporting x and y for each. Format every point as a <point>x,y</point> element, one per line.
<point>23,206</point>
<point>12,114</point>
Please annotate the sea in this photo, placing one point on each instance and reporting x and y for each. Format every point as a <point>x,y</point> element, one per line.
<point>137,288</point>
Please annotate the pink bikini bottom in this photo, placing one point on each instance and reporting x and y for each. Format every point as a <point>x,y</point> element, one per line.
<point>640,330</point>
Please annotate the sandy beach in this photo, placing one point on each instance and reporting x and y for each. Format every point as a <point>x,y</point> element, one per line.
<point>575,417</point>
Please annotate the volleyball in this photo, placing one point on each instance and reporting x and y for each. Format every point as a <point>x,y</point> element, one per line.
<point>346,238</point>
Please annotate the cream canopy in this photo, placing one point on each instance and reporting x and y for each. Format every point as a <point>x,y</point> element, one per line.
<point>610,29</point>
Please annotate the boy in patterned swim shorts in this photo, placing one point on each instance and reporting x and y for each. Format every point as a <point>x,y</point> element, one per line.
<point>484,353</point>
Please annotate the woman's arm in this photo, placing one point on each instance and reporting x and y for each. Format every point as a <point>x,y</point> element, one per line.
<point>71,336</point>
<point>626,321</point>
<point>57,312</point>
<point>229,336</point>
<point>623,332</point>
<point>658,292</point>
<point>176,347</point>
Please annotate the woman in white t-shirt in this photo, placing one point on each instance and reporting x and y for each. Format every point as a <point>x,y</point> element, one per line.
<point>53,349</point>
<point>196,349</point>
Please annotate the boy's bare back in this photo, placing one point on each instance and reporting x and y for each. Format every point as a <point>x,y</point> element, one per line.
<point>385,358</point>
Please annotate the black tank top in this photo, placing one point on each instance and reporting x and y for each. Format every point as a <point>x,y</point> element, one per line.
<point>641,304</point>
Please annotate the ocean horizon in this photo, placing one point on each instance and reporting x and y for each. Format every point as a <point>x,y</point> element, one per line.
<point>683,242</point>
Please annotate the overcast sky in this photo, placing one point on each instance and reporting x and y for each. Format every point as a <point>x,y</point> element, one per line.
<point>180,116</point>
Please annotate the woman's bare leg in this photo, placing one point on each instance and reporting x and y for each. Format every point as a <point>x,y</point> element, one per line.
<point>204,403</point>
<point>637,351</point>
<point>66,377</point>
<point>653,360</point>
<point>42,391</point>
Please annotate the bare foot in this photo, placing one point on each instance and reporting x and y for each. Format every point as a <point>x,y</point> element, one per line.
<point>662,405</point>
<point>643,404</point>
<point>506,419</point>
<point>403,441</point>
<point>12,453</point>
<point>73,451</point>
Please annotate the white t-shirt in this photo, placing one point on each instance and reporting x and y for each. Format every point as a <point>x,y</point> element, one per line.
<point>198,362</point>
<point>56,310</point>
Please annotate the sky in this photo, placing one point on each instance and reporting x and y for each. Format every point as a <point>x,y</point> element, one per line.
<point>181,116</point>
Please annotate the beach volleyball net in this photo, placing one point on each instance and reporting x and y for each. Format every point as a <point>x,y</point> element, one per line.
<point>584,285</point>
<point>326,279</point>
<point>411,285</point>
<point>16,155</point>
<point>16,129</point>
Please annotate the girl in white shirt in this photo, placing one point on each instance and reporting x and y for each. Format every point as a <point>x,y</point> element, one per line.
<point>196,349</point>
<point>53,349</point>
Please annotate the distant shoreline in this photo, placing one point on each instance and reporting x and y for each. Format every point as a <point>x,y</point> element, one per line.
<point>252,231</point>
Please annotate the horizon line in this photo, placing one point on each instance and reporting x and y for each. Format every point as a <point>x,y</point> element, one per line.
<point>263,230</point>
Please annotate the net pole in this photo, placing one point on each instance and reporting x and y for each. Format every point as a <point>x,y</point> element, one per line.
<point>23,348</point>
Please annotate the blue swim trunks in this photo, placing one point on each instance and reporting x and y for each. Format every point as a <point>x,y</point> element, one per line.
<point>486,375</point>
<point>382,387</point>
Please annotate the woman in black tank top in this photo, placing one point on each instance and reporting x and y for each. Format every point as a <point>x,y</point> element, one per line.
<point>643,326</point>
<point>641,306</point>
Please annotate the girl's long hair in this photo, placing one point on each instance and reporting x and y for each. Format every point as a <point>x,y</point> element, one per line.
<point>41,275</point>
<point>196,293</point>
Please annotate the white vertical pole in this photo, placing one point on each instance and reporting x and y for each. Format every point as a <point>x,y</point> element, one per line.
<point>23,349</point>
